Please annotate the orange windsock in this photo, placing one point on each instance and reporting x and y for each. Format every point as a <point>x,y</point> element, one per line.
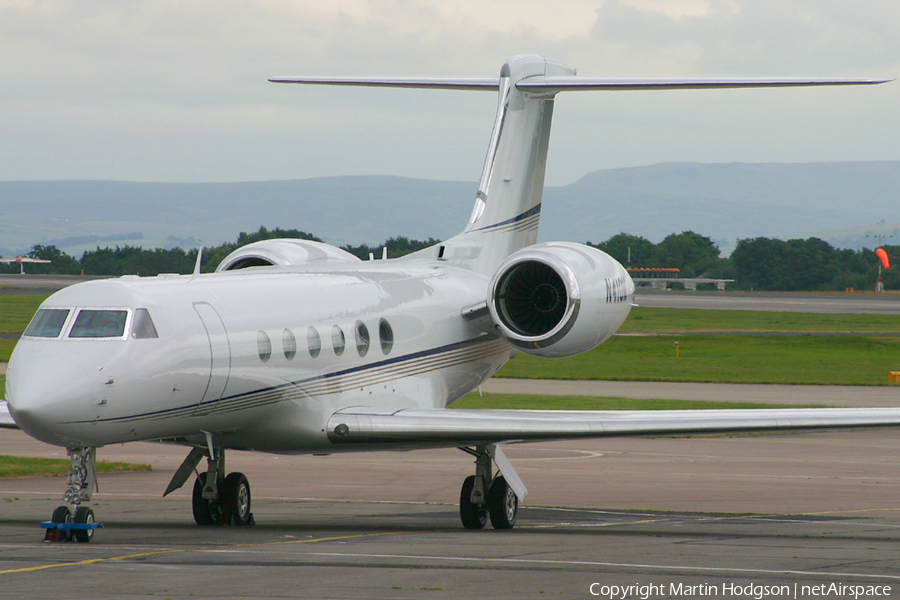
<point>884,258</point>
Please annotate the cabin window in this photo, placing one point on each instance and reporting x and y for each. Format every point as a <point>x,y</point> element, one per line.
<point>386,335</point>
<point>48,322</point>
<point>142,327</point>
<point>338,342</point>
<point>264,345</point>
<point>99,324</point>
<point>314,342</point>
<point>289,343</point>
<point>362,338</point>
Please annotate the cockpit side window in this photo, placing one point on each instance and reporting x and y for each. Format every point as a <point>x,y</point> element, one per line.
<point>142,327</point>
<point>48,322</point>
<point>92,323</point>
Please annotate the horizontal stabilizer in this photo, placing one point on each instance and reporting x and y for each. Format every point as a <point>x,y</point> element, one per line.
<point>458,83</point>
<point>559,84</point>
<point>574,83</point>
<point>455,427</point>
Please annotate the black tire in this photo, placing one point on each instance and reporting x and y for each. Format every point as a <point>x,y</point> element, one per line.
<point>61,515</point>
<point>236,499</point>
<point>473,516</point>
<point>503,504</point>
<point>205,512</point>
<point>84,516</point>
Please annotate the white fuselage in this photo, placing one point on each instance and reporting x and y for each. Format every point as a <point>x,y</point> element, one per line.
<point>236,355</point>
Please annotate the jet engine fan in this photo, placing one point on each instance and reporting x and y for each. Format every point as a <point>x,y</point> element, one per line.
<point>559,299</point>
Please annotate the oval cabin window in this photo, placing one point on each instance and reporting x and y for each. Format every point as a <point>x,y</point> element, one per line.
<point>264,345</point>
<point>289,343</point>
<point>338,342</point>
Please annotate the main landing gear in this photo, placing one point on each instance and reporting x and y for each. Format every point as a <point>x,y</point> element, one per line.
<point>217,499</point>
<point>484,496</point>
<point>75,521</point>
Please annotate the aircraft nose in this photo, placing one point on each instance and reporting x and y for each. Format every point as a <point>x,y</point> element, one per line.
<point>46,394</point>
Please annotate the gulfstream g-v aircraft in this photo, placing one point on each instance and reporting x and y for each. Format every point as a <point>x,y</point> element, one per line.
<point>298,347</point>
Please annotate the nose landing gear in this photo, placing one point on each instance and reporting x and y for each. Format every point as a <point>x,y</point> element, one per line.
<point>75,521</point>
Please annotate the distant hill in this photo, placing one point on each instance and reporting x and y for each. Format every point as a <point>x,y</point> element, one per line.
<point>723,201</point>
<point>727,201</point>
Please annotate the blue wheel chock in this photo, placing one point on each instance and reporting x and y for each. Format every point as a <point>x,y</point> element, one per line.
<point>61,532</point>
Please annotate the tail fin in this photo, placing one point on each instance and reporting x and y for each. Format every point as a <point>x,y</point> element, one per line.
<point>508,203</point>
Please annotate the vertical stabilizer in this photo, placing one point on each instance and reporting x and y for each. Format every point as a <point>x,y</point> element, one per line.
<point>508,203</point>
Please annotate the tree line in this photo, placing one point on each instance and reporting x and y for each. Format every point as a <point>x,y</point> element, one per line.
<point>763,264</point>
<point>134,260</point>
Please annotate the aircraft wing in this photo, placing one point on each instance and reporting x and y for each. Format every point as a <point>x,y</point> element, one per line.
<point>22,259</point>
<point>6,420</point>
<point>467,427</point>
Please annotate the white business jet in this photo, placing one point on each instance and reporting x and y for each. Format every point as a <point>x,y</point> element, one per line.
<point>297,347</point>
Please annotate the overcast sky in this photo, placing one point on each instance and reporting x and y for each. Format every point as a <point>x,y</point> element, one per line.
<point>167,90</point>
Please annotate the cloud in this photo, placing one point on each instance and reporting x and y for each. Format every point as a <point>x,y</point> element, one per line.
<point>96,89</point>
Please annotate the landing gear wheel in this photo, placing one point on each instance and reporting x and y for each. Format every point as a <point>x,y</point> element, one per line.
<point>473,516</point>
<point>84,516</point>
<point>503,504</point>
<point>236,499</point>
<point>61,515</point>
<point>205,512</point>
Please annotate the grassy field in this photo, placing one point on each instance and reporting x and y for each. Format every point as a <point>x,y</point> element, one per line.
<point>690,320</point>
<point>538,402</point>
<point>805,359</point>
<point>6,348</point>
<point>16,312</point>
<point>20,466</point>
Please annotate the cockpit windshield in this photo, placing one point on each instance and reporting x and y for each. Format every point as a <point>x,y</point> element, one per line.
<point>92,323</point>
<point>99,324</point>
<point>48,322</point>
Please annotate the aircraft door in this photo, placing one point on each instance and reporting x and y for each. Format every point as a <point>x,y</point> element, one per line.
<point>220,357</point>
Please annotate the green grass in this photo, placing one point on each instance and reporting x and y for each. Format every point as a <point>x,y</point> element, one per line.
<point>830,360</point>
<point>6,348</point>
<point>672,320</point>
<point>538,402</point>
<point>16,312</point>
<point>21,466</point>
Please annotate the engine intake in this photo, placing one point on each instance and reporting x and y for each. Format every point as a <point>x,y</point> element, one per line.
<point>532,298</point>
<point>555,299</point>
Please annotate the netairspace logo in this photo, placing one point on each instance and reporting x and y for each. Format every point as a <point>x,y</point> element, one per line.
<point>838,591</point>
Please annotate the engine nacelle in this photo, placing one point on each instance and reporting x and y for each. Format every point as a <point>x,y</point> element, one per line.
<point>284,251</point>
<point>559,299</point>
